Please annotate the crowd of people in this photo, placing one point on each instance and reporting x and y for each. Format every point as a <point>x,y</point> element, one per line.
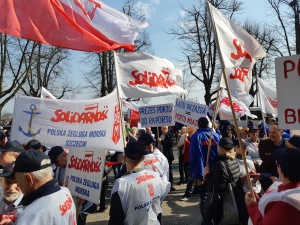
<point>211,162</point>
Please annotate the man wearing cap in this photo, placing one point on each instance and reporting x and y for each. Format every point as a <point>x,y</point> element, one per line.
<point>12,196</point>
<point>266,147</point>
<point>44,201</point>
<point>36,145</point>
<point>10,152</point>
<point>280,205</point>
<point>136,197</point>
<point>3,139</point>
<point>294,142</point>
<point>154,160</point>
<point>198,155</point>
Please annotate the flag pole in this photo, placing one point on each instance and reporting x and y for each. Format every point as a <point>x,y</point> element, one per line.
<point>229,96</point>
<point>212,123</point>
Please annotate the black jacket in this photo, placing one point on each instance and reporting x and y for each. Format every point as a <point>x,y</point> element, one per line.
<point>219,177</point>
<point>167,144</point>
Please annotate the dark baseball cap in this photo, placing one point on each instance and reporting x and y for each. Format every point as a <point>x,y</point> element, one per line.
<point>295,141</point>
<point>54,153</point>
<point>226,143</point>
<point>8,170</point>
<point>288,158</point>
<point>253,128</point>
<point>12,146</point>
<point>134,150</point>
<point>146,139</point>
<point>30,161</point>
<point>34,144</point>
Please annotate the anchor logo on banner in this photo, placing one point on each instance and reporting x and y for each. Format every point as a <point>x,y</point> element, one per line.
<point>33,113</point>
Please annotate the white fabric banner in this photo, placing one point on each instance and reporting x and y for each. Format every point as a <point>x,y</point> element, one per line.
<point>188,113</point>
<point>287,85</point>
<point>46,94</point>
<point>140,75</point>
<point>238,48</point>
<point>240,108</point>
<point>84,173</point>
<point>268,97</point>
<point>84,123</point>
<point>157,115</point>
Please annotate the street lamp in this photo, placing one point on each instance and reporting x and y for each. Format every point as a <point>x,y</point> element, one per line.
<point>295,6</point>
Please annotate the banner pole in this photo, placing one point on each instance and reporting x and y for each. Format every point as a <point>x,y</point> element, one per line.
<point>212,123</point>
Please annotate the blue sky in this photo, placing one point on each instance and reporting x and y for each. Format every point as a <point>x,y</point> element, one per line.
<point>162,15</point>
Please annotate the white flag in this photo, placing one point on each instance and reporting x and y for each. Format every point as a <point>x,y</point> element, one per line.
<point>46,94</point>
<point>238,49</point>
<point>268,97</point>
<point>140,75</point>
<point>240,108</point>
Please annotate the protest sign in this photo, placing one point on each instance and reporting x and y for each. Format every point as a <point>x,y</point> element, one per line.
<point>157,115</point>
<point>84,173</point>
<point>69,123</point>
<point>188,113</point>
<point>287,83</point>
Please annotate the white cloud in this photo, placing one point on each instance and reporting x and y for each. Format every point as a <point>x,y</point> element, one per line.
<point>157,2</point>
<point>145,8</point>
<point>182,13</point>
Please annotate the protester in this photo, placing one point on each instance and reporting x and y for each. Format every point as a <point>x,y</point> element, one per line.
<point>266,147</point>
<point>3,139</point>
<point>254,176</point>
<point>59,157</point>
<point>180,146</point>
<point>263,128</point>
<point>136,197</point>
<point>149,131</point>
<point>44,201</point>
<point>294,142</point>
<point>280,205</point>
<point>186,160</point>
<point>226,170</point>
<point>132,134</point>
<point>35,144</point>
<point>10,152</point>
<point>165,143</point>
<point>245,133</point>
<point>198,155</point>
<point>10,204</point>
<point>252,148</point>
<point>154,160</point>
<point>250,124</point>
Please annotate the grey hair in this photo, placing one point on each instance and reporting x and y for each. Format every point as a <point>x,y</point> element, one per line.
<point>43,174</point>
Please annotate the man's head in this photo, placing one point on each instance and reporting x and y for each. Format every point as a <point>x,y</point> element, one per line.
<point>58,156</point>
<point>164,129</point>
<point>3,139</point>
<point>148,130</point>
<point>275,133</point>
<point>10,189</point>
<point>35,144</point>
<point>147,141</point>
<point>203,122</point>
<point>288,166</point>
<point>32,170</point>
<point>10,152</point>
<point>134,153</point>
<point>294,142</point>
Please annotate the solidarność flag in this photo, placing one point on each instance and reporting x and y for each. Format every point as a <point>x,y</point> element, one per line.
<point>85,25</point>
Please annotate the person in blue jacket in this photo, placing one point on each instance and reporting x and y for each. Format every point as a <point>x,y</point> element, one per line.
<point>198,155</point>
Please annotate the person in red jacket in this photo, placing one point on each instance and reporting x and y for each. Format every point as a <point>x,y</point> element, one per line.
<point>280,204</point>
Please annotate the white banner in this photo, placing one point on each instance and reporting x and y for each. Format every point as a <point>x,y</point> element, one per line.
<point>157,115</point>
<point>268,97</point>
<point>84,123</point>
<point>288,83</point>
<point>140,75</point>
<point>84,173</point>
<point>188,113</point>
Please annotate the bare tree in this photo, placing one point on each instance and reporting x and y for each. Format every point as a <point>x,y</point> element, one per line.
<point>49,69</point>
<point>195,31</point>
<point>16,60</point>
<point>101,78</point>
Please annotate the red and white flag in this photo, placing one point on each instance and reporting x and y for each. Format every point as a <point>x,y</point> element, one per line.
<point>46,94</point>
<point>268,97</point>
<point>240,108</point>
<point>140,75</point>
<point>86,25</point>
<point>238,49</point>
